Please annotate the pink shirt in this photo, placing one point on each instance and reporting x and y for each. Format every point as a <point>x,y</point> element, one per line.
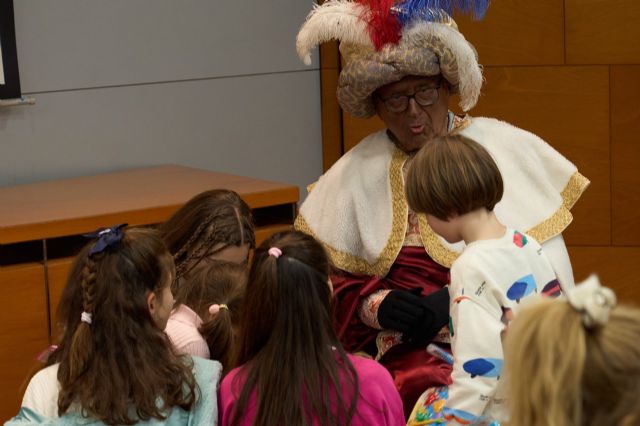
<point>182,329</point>
<point>378,404</point>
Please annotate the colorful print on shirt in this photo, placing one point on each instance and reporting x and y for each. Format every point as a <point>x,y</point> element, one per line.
<point>552,289</point>
<point>521,288</point>
<point>484,367</point>
<point>519,239</point>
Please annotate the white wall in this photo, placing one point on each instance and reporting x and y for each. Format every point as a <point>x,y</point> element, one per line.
<point>129,83</point>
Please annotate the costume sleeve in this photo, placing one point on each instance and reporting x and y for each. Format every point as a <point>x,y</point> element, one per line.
<point>368,310</point>
<point>350,291</point>
<point>475,342</point>
<point>556,252</point>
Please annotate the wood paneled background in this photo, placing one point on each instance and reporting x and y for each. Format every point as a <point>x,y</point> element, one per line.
<point>569,71</point>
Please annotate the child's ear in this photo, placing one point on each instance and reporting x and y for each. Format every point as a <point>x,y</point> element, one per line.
<point>152,301</point>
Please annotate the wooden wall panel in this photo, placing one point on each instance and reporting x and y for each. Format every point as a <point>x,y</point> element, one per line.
<point>625,154</point>
<point>24,332</point>
<point>569,108</point>
<point>331,112</point>
<point>518,32</point>
<point>57,271</point>
<point>617,268</point>
<point>356,129</point>
<point>602,31</point>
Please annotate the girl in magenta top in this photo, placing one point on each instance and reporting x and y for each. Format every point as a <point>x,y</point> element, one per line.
<point>293,369</point>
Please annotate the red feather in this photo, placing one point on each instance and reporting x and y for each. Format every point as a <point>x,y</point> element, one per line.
<point>384,26</point>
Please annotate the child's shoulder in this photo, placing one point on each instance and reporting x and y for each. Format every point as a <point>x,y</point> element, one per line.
<point>367,368</point>
<point>47,373</point>
<point>207,372</point>
<point>483,254</point>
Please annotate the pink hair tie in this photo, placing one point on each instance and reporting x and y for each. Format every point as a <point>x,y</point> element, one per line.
<point>275,252</point>
<point>215,308</point>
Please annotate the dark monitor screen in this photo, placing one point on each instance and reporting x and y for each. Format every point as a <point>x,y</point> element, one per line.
<point>11,87</point>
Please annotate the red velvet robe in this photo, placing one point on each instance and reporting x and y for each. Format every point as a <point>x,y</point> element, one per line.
<point>412,368</point>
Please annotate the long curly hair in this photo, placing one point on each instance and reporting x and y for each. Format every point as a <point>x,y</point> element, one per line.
<point>117,368</point>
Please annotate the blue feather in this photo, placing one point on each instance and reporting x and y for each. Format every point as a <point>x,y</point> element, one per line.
<point>439,10</point>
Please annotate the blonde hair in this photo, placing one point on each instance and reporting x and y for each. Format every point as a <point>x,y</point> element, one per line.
<point>561,373</point>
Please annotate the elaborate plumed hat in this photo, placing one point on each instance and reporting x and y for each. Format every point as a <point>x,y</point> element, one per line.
<point>383,41</point>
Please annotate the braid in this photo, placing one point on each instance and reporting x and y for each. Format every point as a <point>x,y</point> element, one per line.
<point>198,252</point>
<point>182,264</point>
<point>81,345</point>
<point>87,284</point>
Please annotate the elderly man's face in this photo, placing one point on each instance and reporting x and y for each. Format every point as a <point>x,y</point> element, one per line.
<point>417,124</point>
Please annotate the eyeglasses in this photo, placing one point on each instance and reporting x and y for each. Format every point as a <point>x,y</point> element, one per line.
<point>424,96</point>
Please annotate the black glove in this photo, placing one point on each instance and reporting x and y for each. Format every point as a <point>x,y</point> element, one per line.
<point>435,316</point>
<point>400,310</point>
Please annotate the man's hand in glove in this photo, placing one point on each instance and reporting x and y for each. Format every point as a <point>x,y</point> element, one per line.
<point>419,318</point>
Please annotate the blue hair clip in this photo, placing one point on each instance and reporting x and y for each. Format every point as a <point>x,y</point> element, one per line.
<point>107,237</point>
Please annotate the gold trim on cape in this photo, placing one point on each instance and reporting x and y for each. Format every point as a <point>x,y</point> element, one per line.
<point>432,244</point>
<point>548,228</point>
<point>359,265</point>
<point>574,189</point>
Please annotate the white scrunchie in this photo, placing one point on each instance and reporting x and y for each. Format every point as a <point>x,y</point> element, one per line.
<point>86,317</point>
<point>593,301</point>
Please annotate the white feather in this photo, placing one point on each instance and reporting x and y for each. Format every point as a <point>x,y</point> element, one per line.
<point>333,20</point>
<point>469,71</point>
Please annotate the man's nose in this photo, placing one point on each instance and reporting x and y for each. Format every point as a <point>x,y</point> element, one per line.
<point>413,108</point>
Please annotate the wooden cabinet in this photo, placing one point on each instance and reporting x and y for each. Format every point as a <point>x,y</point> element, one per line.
<point>23,330</point>
<point>41,227</point>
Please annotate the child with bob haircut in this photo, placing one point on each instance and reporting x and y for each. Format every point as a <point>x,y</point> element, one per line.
<point>456,183</point>
<point>586,372</point>
<point>114,364</point>
<point>293,370</point>
<point>214,224</point>
<point>206,311</point>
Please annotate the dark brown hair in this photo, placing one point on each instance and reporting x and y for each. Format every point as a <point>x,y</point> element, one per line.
<point>218,283</point>
<point>289,352</point>
<point>453,175</point>
<point>213,218</point>
<point>122,360</point>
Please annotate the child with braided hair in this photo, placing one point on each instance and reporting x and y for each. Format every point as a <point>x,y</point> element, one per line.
<point>114,365</point>
<point>214,224</point>
<point>206,312</point>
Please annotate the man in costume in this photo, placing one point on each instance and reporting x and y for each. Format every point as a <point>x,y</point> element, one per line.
<point>403,61</point>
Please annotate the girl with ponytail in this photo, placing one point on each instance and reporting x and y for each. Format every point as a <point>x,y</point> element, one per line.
<point>292,368</point>
<point>207,310</point>
<point>114,365</point>
<point>582,373</point>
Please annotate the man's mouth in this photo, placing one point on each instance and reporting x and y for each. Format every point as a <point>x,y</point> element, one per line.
<point>417,129</point>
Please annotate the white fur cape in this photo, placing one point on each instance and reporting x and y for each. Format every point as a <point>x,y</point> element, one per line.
<point>359,212</point>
